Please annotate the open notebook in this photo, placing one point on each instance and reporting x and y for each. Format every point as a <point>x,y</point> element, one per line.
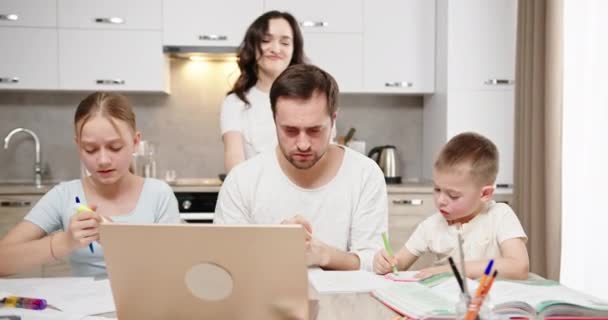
<point>536,299</point>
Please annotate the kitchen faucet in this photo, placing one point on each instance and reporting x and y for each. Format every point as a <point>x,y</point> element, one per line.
<point>37,166</point>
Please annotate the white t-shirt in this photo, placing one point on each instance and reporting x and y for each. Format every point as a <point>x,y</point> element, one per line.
<point>254,121</point>
<point>482,235</point>
<point>156,204</point>
<point>348,213</point>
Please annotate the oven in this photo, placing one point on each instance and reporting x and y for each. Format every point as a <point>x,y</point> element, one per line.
<point>197,206</point>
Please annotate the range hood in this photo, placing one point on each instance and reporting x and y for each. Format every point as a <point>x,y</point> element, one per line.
<point>208,52</point>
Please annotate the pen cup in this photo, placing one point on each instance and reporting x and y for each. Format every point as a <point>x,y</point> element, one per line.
<point>484,312</point>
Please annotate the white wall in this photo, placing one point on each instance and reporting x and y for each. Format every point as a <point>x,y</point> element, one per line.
<point>585,147</point>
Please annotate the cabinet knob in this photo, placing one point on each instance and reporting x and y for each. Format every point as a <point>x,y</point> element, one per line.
<point>9,80</point>
<point>314,24</point>
<point>186,204</point>
<point>15,203</point>
<point>9,17</point>
<point>409,202</point>
<point>213,37</point>
<point>498,82</point>
<point>398,84</point>
<point>111,20</point>
<point>110,81</point>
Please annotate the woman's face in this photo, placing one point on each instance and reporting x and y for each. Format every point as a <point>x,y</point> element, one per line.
<point>276,48</point>
<point>105,149</point>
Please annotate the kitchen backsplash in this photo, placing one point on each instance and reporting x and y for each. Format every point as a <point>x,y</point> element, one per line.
<point>185,125</point>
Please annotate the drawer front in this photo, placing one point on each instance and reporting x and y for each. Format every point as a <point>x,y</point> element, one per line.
<point>411,204</point>
<point>406,211</point>
<point>13,209</point>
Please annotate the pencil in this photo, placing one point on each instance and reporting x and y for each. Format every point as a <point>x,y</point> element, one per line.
<point>456,273</point>
<point>387,246</point>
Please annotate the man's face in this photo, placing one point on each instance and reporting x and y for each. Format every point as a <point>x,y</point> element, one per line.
<point>303,129</point>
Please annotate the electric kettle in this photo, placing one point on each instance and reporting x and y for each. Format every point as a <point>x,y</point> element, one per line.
<point>386,158</point>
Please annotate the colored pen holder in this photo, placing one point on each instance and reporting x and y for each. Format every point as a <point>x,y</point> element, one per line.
<point>482,305</point>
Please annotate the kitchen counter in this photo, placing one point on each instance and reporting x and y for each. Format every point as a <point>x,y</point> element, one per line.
<point>211,185</point>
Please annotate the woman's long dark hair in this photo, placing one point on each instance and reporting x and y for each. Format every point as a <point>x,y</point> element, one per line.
<point>252,43</point>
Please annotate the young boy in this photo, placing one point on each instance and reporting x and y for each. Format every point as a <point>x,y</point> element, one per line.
<point>464,175</point>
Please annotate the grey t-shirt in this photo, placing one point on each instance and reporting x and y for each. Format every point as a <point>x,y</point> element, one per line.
<point>156,204</point>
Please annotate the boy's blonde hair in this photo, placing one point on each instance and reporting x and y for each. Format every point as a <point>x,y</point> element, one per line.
<point>473,149</point>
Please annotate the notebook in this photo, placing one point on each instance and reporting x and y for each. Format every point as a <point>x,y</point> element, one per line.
<point>403,276</point>
<point>537,299</point>
<point>200,271</point>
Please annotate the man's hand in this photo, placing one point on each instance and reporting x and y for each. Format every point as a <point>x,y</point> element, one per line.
<point>317,252</point>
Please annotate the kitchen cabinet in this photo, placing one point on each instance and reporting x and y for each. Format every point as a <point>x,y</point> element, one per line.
<point>328,52</point>
<point>13,208</point>
<point>208,23</point>
<point>29,58</point>
<point>28,13</point>
<point>115,60</point>
<point>405,211</point>
<point>318,16</point>
<point>333,40</point>
<point>110,14</point>
<point>399,46</point>
<point>481,44</point>
<point>474,71</point>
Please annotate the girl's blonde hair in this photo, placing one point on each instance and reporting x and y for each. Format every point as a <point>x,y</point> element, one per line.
<point>109,105</point>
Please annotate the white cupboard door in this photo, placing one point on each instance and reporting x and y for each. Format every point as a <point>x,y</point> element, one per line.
<point>481,49</point>
<point>110,14</point>
<point>490,113</point>
<point>323,16</point>
<point>28,13</point>
<point>399,46</point>
<point>116,60</point>
<point>29,58</point>
<point>341,56</point>
<point>208,23</point>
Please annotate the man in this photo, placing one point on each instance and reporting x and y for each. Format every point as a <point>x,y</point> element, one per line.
<point>335,193</point>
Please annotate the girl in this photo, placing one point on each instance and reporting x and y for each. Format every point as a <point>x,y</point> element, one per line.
<point>106,136</point>
<point>271,44</point>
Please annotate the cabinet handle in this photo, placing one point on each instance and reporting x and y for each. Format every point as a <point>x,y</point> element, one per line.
<point>409,202</point>
<point>314,24</point>
<point>111,20</point>
<point>15,203</point>
<point>398,84</point>
<point>110,81</point>
<point>498,82</point>
<point>9,17</point>
<point>9,80</point>
<point>213,37</point>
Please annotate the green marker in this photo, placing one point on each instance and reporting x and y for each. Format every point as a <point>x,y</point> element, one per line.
<point>387,246</point>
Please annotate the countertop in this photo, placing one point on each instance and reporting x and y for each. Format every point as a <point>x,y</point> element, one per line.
<point>213,185</point>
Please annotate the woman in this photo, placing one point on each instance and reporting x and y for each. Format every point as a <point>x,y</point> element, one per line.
<point>271,44</point>
<point>106,136</point>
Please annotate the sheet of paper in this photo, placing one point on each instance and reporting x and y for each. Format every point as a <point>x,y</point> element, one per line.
<point>403,276</point>
<point>80,296</point>
<point>346,281</point>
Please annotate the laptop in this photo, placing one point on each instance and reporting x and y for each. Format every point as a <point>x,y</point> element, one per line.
<point>201,271</point>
